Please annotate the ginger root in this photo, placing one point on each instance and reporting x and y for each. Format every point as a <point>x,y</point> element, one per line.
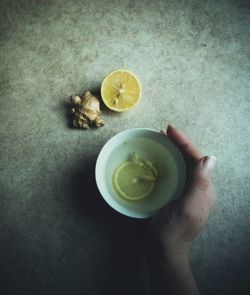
<point>86,111</point>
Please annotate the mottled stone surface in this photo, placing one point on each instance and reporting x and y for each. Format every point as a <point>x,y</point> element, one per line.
<point>57,236</point>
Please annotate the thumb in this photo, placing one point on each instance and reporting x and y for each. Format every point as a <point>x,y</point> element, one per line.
<point>201,179</point>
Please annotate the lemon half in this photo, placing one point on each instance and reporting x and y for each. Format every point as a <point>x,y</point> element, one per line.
<point>121,90</point>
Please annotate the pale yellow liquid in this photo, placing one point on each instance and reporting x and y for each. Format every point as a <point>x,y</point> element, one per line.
<point>164,188</point>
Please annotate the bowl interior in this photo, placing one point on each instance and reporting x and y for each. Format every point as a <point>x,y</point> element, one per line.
<point>149,145</point>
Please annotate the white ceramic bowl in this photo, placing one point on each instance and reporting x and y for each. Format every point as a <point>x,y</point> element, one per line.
<point>150,145</point>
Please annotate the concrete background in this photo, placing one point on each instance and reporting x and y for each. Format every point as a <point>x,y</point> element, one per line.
<point>57,236</point>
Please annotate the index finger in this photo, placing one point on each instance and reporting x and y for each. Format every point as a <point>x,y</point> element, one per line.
<point>184,144</point>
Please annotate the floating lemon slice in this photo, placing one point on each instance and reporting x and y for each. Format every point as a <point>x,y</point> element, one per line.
<point>121,90</point>
<point>135,179</point>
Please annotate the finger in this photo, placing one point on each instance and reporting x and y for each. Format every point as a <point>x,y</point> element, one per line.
<point>201,180</point>
<point>212,196</point>
<point>184,144</point>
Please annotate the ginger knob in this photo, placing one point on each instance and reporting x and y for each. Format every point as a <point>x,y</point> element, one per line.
<point>86,111</point>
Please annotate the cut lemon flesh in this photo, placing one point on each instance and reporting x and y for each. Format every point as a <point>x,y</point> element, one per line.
<point>121,90</point>
<point>134,180</point>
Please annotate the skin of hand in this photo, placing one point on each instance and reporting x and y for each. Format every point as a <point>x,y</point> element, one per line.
<point>176,225</point>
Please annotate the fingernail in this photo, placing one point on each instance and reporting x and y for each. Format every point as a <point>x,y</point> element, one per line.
<point>170,125</point>
<point>210,162</point>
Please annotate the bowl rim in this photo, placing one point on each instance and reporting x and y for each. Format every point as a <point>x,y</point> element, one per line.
<point>98,177</point>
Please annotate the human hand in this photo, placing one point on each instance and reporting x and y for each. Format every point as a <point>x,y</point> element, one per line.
<point>176,225</point>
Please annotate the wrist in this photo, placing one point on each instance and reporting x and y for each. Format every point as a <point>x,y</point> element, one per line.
<point>175,257</point>
<point>177,263</point>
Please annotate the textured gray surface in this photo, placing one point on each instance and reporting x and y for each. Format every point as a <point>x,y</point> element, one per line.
<point>56,234</point>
